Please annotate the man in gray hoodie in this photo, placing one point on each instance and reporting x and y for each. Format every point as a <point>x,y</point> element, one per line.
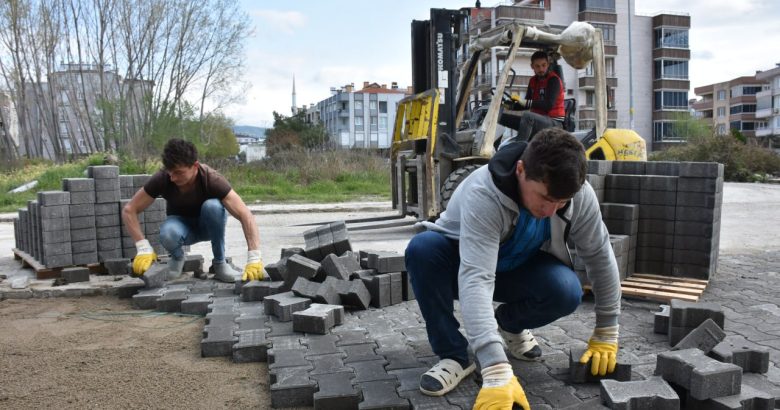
<point>503,238</point>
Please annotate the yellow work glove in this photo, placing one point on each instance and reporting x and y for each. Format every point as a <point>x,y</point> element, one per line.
<point>253,270</point>
<point>144,257</point>
<point>500,389</point>
<point>602,347</point>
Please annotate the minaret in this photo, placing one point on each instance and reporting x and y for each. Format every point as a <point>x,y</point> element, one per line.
<point>294,105</point>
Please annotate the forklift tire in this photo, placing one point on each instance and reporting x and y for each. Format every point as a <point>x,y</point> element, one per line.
<point>452,182</point>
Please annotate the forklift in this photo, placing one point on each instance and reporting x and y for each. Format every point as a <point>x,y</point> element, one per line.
<point>441,134</point>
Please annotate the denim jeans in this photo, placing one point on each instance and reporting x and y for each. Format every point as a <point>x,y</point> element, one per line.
<point>178,231</point>
<point>540,291</point>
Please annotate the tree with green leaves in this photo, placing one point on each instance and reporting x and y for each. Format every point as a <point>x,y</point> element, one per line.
<point>291,133</point>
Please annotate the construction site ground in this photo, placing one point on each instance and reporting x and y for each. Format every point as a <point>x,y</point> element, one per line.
<point>98,352</point>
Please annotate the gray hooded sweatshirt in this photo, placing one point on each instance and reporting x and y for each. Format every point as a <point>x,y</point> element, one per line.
<point>482,214</point>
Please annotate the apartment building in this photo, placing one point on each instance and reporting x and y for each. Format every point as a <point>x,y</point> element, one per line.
<point>731,104</point>
<point>768,108</point>
<point>359,118</point>
<point>646,60</point>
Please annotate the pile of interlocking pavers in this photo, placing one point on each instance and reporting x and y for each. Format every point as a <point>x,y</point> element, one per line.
<point>81,225</point>
<point>666,215</point>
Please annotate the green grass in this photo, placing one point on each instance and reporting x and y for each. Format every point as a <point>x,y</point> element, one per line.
<point>334,176</point>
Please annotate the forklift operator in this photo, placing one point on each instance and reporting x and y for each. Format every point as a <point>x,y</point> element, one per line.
<point>543,102</point>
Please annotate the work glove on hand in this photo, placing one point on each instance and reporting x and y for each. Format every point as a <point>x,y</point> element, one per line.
<point>254,266</point>
<point>144,257</point>
<point>602,347</point>
<point>520,103</point>
<point>500,389</point>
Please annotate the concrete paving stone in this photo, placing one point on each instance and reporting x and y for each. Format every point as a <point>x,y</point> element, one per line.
<point>353,337</point>
<point>107,184</point>
<point>118,266</point>
<point>287,252</point>
<point>661,320</point>
<point>55,224</point>
<point>103,171</point>
<point>278,358</point>
<point>329,364</point>
<point>82,198</point>
<point>336,392</point>
<point>139,180</point>
<point>221,317</point>
<point>704,337</point>
<point>252,346</point>
<point>629,167</point>
<point>379,288</point>
<point>664,183</point>
<point>58,261</point>
<point>580,372</point>
<point>171,301</point>
<point>762,383</point>
<point>396,288</point>
<point>650,225</point>
<point>386,262</point>
<point>694,243</point>
<point>323,293</point>
<point>703,229</point>
<point>280,328</point>
<point>599,167</point>
<point>301,267</point>
<point>701,170</point>
<point>193,263</point>
<point>219,341</point>
<point>702,376</point>
<point>277,271</point>
<point>125,181</point>
<point>54,212</point>
<point>693,271</point>
<point>668,168</point>
<point>291,386</point>
<point>622,196</point>
<point>107,209</point>
<point>624,182</point>
<point>102,197</point>
<point>321,345</point>
<point>340,267</point>
<point>662,198</point>
<point>127,290</point>
<point>653,393</point>
<point>664,213</point>
<point>283,305</point>
<point>597,182</point>
<point>53,249</point>
<point>700,185</point>
<point>622,226</point>
<point>371,370</point>
<point>252,323</point>
<point>407,290</point>
<point>352,293</point>
<point>85,258</point>
<point>325,239</point>
<point>317,318</point>
<point>155,218</point>
<point>381,395</point>
<point>409,378</point>
<point>147,298</point>
<point>751,359</point>
<point>360,353</point>
<point>196,304</point>
<point>254,290</point>
<point>108,221</point>
<point>699,258</point>
<point>50,198</point>
<point>292,341</point>
<point>748,399</point>
<point>78,184</point>
<point>154,277</point>
<point>654,253</point>
<point>399,358</point>
<point>202,287</point>
<point>689,315</point>
<point>558,396</point>
<point>75,274</point>
<point>227,291</point>
<point>83,234</point>
<point>420,401</point>
<point>700,199</point>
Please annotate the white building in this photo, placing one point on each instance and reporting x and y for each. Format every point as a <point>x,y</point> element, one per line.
<point>768,108</point>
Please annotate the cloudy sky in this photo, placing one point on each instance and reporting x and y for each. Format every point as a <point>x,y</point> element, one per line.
<point>331,43</point>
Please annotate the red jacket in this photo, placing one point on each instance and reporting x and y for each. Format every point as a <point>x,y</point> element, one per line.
<point>546,95</point>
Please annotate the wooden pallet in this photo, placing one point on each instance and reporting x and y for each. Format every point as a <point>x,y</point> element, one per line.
<point>43,272</point>
<point>661,288</point>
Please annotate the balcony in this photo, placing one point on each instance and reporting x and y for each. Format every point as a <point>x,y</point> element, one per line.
<point>588,82</point>
<point>702,105</point>
<point>767,112</point>
<point>534,13</point>
<point>586,112</point>
<point>767,131</point>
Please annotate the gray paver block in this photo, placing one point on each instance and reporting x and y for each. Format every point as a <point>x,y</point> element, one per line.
<point>75,274</point>
<point>700,185</point>
<point>82,198</point>
<point>748,399</point>
<point>287,252</point>
<point>85,258</point>
<point>623,181</point>
<point>599,167</point>
<point>340,267</point>
<point>196,304</point>
<point>283,305</point>
<point>386,262</point>
<point>219,341</point>
<point>702,376</point>
<point>629,167</point>
<point>382,395</point>
<point>331,363</point>
<point>318,318</point>
<point>653,393</point>
<point>750,359</point>
<point>301,267</point>
<point>147,298</point>
<point>668,168</point>
<point>689,315</point>
<point>662,183</point>
<point>622,196</point>
<point>118,266</point>
<point>171,301</point>
<point>127,290</point>
<point>661,320</point>
<point>360,352</point>
<point>706,336</point>
<point>396,288</point>
<point>701,169</point>
<point>371,371</point>
<point>408,291</point>
<point>335,391</point>
<point>103,197</point>
<point>50,198</point>
<point>154,277</point>
<point>193,263</point>
<point>580,373</point>
<point>277,271</point>
<point>291,386</point>
<point>78,184</point>
<point>252,346</point>
<point>55,212</point>
<point>321,345</point>
<point>278,358</point>
<point>379,288</point>
<point>103,171</point>
<point>353,293</point>
<point>323,293</point>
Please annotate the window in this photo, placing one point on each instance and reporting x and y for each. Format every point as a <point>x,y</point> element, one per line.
<point>597,5</point>
<point>608,31</point>
<point>374,123</point>
<point>358,123</point>
<point>748,126</point>
<point>358,105</point>
<point>609,66</point>
<point>359,140</point>
<point>671,37</point>
<point>721,129</point>
<point>675,69</point>
<point>738,109</point>
<point>665,131</point>
<point>721,95</point>
<point>382,123</point>
<point>777,122</point>
<point>751,90</point>
<point>721,112</point>
<point>590,97</point>
<point>735,125</point>
<point>372,105</point>
<point>383,107</point>
<point>674,100</point>
<point>777,82</point>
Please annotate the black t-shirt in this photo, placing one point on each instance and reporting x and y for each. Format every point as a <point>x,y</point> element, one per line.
<point>208,184</point>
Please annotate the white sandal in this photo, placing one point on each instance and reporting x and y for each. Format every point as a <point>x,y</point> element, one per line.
<point>443,377</point>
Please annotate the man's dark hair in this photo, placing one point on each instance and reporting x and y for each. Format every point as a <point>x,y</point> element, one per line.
<point>539,55</point>
<point>555,158</point>
<point>178,152</point>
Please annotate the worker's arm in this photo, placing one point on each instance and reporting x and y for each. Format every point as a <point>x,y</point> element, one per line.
<point>140,201</point>
<point>551,94</point>
<point>236,206</point>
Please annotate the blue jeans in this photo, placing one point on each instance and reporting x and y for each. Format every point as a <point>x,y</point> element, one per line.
<point>540,291</point>
<point>178,231</point>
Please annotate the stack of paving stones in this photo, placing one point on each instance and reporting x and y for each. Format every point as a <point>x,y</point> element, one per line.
<point>153,217</point>
<point>675,228</point>
<point>83,231</point>
<point>54,214</point>
<point>107,212</point>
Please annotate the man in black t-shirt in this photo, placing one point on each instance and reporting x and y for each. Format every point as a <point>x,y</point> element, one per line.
<point>198,198</point>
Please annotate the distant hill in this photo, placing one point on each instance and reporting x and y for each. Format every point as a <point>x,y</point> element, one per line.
<point>258,132</point>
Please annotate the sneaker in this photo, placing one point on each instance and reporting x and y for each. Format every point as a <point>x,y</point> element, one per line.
<point>522,346</point>
<point>443,377</point>
<point>174,269</point>
<point>224,272</point>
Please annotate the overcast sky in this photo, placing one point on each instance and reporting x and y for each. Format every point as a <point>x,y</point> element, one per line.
<point>331,43</point>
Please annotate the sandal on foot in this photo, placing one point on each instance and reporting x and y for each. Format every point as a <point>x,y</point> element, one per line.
<point>443,377</point>
<point>522,345</point>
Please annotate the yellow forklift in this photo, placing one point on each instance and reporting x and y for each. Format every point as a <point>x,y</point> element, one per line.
<point>441,134</point>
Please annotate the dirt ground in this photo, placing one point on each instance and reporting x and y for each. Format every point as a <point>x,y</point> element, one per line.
<point>97,352</point>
